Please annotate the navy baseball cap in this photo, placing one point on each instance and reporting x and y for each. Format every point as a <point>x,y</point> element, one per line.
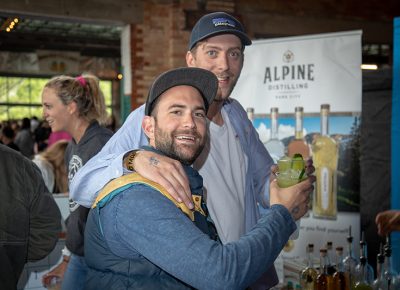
<point>217,23</point>
<point>203,80</point>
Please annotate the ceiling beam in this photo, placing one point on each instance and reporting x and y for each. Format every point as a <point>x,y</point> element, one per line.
<point>100,11</point>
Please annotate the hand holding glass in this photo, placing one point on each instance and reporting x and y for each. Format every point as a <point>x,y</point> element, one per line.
<point>291,171</point>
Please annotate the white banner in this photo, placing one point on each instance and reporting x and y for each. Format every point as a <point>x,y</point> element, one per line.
<point>302,71</point>
<point>306,72</point>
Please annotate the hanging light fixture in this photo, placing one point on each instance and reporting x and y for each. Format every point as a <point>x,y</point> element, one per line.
<point>9,24</point>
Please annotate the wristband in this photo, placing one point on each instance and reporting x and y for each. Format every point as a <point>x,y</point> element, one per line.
<point>65,252</point>
<point>129,159</point>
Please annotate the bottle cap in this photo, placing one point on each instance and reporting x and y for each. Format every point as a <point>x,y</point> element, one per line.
<point>325,106</point>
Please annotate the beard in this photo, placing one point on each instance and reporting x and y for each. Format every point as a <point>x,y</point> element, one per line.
<point>186,154</point>
<point>224,94</point>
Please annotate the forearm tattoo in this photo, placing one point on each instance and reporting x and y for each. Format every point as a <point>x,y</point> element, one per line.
<point>154,161</point>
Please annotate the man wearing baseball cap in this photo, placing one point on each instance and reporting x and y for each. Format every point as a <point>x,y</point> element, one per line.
<point>234,163</point>
<point>138,237</point>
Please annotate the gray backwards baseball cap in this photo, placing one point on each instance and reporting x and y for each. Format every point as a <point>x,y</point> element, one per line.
<point>203,80</point>
<point>217,23</point>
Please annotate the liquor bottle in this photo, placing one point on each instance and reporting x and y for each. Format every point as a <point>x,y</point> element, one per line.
<point>380,281</point>
<point>363,282</point>
<point>331,267</point>
<point>274,146</point>
<point>325,156</point>
<point>350,262</point>
<point>364,271</point>
<point>323,281</point>
<point>339,279</point>
<point>250,114</point>
<point>390,275</point>
<point>309,274</point>
<point>299,144</point>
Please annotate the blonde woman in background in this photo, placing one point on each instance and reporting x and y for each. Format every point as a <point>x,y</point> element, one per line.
<point>75,105</point>
<point>52,165</point>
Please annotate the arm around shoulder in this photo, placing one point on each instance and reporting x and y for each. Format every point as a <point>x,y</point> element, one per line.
<point>107,164</point>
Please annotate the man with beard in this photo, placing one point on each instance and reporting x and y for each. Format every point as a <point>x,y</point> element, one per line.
<point>138,237</point>
<point>234,163</point>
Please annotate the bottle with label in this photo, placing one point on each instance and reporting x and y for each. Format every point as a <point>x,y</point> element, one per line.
<point>323,281</point>
<point>250,114</point>
<point>380,281</point>
<point>309,274</point>
<point>299,144</point>
<point>339,278</point>
<point>274,146</point>
<point>325,157</point>
<point>350,262</point>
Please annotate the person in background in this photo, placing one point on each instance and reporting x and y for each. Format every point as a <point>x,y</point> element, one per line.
<point>29,217</point>
<point>14,125</point>
<point>76,106</point>
<point>52,165</point>
<point>7,137</point>
<point>138,237</point>
<point>41,134</point>
<point>234,163</point>
<point>388,221</point>
<point>34,124</point>
<point>112,123</point>
<point>56,136</point>
<point>24,138</point>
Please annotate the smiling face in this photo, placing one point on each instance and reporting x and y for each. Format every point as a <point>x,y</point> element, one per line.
<point>177,125</point>
<point>222,55</point>
<point>54,111</point>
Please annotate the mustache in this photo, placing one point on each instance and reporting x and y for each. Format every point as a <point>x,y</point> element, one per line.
<point>192,132</point>
<point>224,75</point>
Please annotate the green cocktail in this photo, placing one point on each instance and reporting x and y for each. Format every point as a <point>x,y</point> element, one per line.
<point>291,170</point>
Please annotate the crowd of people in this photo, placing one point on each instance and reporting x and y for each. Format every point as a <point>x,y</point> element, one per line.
<point>30,136</point>
<point>171,200</point>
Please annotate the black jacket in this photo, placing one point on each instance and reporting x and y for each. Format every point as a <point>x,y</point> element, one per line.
<point>76,155</point>
<point>30,220</point>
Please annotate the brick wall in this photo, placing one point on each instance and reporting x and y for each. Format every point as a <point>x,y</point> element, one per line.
<point>156,46</point>
<point>160,42</point>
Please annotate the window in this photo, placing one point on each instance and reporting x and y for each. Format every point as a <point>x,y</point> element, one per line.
<point>379,54</point>
<point>21,97</point>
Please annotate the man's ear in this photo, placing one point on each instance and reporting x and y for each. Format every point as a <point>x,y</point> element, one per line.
<point>148,126</point>
<point>190,61</point>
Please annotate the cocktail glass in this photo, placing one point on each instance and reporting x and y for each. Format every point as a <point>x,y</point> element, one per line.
<point>291,171</point>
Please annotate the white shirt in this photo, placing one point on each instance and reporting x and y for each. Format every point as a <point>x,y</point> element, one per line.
<point>224,170</point>
<point>47,171</point>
